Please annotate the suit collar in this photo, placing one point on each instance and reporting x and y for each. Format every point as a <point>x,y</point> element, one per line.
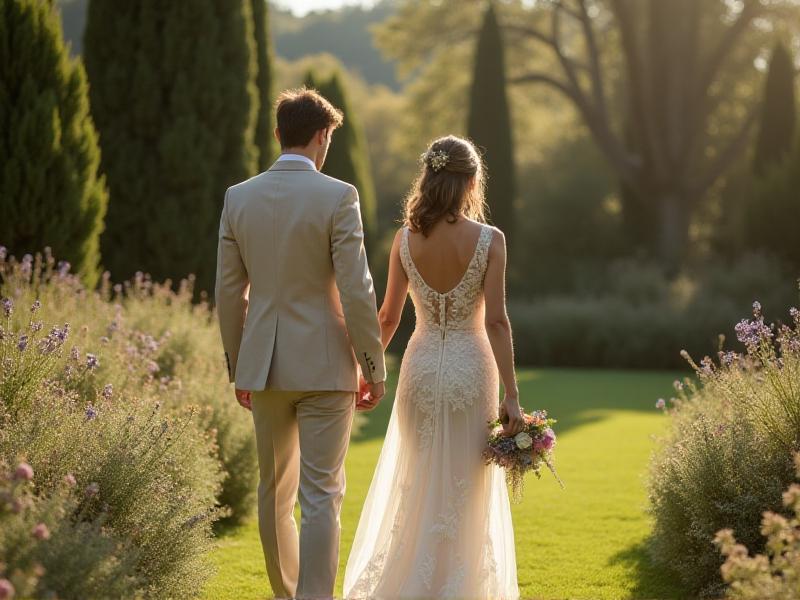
<point>291,165</point>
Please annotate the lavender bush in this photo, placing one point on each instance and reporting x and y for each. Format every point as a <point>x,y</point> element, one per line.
<point>728,456</point>
<point>84,391</point>
<point>145,338</point>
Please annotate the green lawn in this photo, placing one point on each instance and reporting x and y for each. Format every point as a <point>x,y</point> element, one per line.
<point>586,541</point>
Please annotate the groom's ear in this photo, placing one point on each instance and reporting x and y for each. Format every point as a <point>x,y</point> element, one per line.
<point>277,134</point>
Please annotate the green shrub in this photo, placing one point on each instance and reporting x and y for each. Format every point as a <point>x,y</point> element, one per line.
<point>155,343</point>
<point>630,314</point>
<point>774,575</point>
<point>728,455</point>
<point>148,472</point>
<point>47,553</point>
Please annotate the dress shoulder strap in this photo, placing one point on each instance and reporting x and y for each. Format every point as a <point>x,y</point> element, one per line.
<point>482,249</point>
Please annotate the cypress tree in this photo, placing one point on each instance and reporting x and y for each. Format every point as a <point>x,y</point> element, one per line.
<point>773,207</point>
<point>174,97</point>
<point>778,112</point>
<point>51,193</point>
<point>263,47</point>
<point>348,156</point>
<point>489,122</point>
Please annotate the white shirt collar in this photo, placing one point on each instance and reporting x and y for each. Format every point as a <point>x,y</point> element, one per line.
<point>299,157</point>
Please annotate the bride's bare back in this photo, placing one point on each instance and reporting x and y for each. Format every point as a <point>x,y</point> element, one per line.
<point>443,256</point>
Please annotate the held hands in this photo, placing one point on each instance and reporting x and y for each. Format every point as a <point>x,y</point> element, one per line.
<point>245,398</point>
<point>511,416</point>
<point>369,394</point>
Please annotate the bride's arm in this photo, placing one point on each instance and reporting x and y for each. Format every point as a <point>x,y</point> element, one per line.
<point>396,291</point>
<point>498,328</point>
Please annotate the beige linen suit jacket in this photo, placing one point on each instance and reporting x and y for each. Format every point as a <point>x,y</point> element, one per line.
<point>294,294</point>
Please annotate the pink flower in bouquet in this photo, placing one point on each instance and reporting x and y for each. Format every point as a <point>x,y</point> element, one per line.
<point>546,442</point>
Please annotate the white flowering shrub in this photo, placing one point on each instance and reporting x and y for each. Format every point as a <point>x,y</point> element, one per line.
<point>728,455</point>
<point>775,574</point>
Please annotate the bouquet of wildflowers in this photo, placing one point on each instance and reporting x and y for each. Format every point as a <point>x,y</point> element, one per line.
<point>527,451</point>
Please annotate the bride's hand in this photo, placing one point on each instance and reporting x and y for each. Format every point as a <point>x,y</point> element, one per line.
<point>511,416</point>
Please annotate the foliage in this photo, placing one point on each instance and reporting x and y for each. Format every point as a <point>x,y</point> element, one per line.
<point>680,66</point>
<point>489,123</point>
<point>630,314</point>
<point>348,157</point>
<point>774,575</point>
<point>778,112</point>
<point>264,137</point>
<point>775,209</point>
<point>154,342</point>
<point>51,191</point>
<point>174,97</point>
<point>50,546</point>
<point>728,455</point>
<point>143,463</point>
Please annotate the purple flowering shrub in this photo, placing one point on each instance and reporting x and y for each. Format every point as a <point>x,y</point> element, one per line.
<point>85,400</point>
<point>47,554</point>
<point>728,455</point>
<point>149,340</point>
<point>775,574</point>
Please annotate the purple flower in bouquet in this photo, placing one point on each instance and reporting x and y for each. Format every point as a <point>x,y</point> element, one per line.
<point>91,362</point>
<point>23,343</point>
<point>91,413</point>
<point>660,403</point>
<point>8,306</point>
<point>108,391</point>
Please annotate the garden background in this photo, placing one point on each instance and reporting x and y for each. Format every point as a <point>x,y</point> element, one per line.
<point>644,162</point>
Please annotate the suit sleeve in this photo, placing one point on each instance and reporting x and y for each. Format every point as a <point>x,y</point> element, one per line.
<point>356,290</point>
<point>231,291</point>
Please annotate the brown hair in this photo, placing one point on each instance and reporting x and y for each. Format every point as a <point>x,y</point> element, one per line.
<point>302,112</point>
<point>450,184</point>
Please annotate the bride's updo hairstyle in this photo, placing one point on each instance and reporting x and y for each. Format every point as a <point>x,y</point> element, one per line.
<point>450,185</point>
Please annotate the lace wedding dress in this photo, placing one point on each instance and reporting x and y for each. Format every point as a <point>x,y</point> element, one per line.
<point>436,522</point>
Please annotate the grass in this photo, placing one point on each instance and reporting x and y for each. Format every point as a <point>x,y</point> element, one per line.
<point>585,542</point>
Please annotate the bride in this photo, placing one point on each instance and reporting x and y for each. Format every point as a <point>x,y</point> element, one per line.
<point>436,522</point>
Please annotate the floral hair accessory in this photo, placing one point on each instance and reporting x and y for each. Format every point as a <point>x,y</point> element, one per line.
<point>436,159</point>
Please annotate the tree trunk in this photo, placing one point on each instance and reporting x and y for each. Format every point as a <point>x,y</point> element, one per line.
<point>673,229</point>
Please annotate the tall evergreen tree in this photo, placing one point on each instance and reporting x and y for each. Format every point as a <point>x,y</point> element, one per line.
<point>174,97</point>
<point>773,207</point>
<point>263,46</point>
<point>348,157</point>
<point>50,191</point>
<point>489,122</point>
<point>778,112</point>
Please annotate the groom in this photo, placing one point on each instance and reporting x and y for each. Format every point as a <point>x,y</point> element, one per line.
<point>297,310</point>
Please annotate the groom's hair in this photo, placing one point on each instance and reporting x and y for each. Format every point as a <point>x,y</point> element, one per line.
<point>302,112</point>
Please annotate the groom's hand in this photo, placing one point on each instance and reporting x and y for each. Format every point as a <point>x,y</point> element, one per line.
<point>245,398</point>
<point>374,393</point>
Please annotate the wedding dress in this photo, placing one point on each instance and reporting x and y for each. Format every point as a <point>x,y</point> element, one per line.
<point>436,522</point>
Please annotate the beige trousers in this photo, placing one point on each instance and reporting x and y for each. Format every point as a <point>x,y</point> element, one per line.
<point>302,439</point>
